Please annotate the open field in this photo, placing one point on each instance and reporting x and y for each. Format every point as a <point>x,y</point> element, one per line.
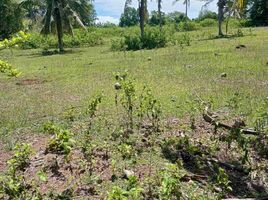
<point>58,87</point>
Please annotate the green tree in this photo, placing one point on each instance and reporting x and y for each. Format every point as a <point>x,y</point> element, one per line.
<point>206,14</point>
<point>130,17</point>
<point>10,18</point>
<point>258,12</point>
<point>154,19</point>
<point>176,17</point>
<point>63,14</point>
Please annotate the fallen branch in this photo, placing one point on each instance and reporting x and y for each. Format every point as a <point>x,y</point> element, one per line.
<point>208,118</point>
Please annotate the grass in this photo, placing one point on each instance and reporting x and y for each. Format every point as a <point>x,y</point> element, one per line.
<point>173,74</point>
<point>51,85</point>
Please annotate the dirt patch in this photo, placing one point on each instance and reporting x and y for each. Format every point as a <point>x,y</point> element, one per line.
<point>4,156</point>
<point>31,82</point>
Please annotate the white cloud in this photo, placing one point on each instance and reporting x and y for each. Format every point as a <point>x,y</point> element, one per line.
<point>105,19</point>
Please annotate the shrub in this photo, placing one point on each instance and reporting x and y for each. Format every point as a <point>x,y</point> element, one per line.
<point>153,38</point>
<point>208,23</point>
<point>118,44</point>
<point>189,26</point>
<point>80,39</point>
<point>133,41</point>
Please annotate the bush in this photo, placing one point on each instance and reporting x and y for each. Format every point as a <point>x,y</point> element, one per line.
<point>189,26</point>
<point>152,39</point>
<point>80,39</point>
<point>208,23</point>
<point>133,42</point>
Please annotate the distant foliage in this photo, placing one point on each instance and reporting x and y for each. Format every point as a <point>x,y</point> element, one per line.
<point>152,39</point>
<point>81,39</point>
<point>207,14</point>
<point>208,23</point>
<point>259,12</point>
<point>176,17</point>
<point>10,18</point>
<point>154,18</point>
<point>189,26</point>
<point>130,17</point>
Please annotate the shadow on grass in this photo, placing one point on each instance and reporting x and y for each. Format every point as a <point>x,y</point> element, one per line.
<point>47,53</point>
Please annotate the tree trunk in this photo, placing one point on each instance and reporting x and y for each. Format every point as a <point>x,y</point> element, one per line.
<point>59,28</point>
<point>47,27</point>
<point>221,5</point>
<point>142,16</point>
<point>160,14</point>
<point>186,11</point>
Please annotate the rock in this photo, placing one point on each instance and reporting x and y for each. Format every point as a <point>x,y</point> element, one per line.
<point>149,59</point>
<point>241,46</point>
<point>117,86</point>
<point>223,75</point>
<point>128,173</point>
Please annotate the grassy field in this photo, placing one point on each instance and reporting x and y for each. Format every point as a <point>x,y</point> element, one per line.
<point>234,80</point>
<point>175,75</point>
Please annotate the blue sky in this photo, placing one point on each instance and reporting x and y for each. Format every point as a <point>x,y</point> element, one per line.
<point>110,10</point>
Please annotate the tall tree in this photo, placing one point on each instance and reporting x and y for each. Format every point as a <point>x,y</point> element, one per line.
<point>187,5</point>
<point>64,13</point>
<point>159,6</point>
<point>221,5</point>
<point>130,17</point>
<point>142,13</point>
<point>258,12</point>
<point>10,18</point>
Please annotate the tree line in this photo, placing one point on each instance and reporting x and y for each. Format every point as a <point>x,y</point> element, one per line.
<point>61,16</point>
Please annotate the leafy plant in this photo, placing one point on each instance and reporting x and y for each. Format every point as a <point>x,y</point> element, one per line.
<point>93,105</point>
<point>20,159</point>
<point>170,186</point>
<point>132,191</point>
<point>127,95</point>
<point>8,69</point>
<point>222,181</point>
<point>61,142</point>
<point>150,108</point>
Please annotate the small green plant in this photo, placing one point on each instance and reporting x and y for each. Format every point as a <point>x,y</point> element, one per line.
<point>93,105</point>
<point>126,150</point>
<point>61,141</point>
<point>127,96</point>
<point>221,180</point>
<point>170,186</point>
<point>150,108</point>
<point>12,183</point>
<point>132,191</point>
<point>20,159</point>
<point>236,135</point>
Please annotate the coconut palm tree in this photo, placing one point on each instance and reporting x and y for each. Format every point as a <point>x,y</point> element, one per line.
<point>187,5</point>
<point>233,6</point>
<point>62,14</point>
<point>142,13</point>
<point>159,6</point>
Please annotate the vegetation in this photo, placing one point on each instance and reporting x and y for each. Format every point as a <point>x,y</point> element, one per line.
<point>159,107</point>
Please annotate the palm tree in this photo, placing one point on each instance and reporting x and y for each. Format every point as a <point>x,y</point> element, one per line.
<point>62,13</point>
<point>234,6</point>
<point>221,5</point>
<point>142,13</point>
<point>159,6</point>
<point>187,5</point>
